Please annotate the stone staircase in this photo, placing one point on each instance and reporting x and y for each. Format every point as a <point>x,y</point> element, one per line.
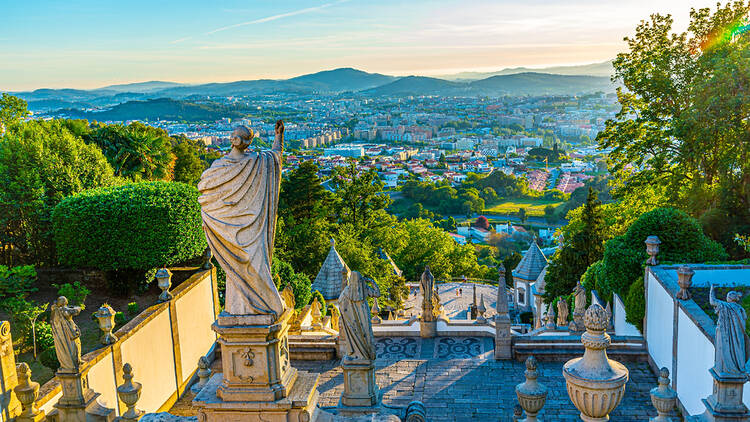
<point>312,347</point>
<point>563,348</point>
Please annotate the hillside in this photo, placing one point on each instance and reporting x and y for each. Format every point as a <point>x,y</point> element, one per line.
<point>344,79</point>
<point>532,83</point>
<point>141,87</point>
<point>418,85</point>
<point>594,69</point>
<point>159,109</point>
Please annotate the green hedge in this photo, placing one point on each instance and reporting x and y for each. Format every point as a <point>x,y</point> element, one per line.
<point>132,226</point>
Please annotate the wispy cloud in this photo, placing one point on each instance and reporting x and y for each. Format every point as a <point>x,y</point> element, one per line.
<point>266,19</point>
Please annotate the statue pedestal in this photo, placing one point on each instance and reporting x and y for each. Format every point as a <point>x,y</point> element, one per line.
<point>258,378</point>
<point>78,402</point>
<point>725,404</point>
<point>427,329</point>
<point>360,389</point>
<point>503,348</point>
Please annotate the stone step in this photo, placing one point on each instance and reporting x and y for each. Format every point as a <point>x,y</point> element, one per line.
<point>563,349</point>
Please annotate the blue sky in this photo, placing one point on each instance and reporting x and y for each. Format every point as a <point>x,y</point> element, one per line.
<point>88,44</point>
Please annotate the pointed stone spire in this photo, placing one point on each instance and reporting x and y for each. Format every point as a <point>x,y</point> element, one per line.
<point>481,309</point>
<point>501,305</point>
<point>333,275</point>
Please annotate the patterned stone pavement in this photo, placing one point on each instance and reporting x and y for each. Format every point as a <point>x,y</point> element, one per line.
<point>456,307</point>
<point>458,379</point>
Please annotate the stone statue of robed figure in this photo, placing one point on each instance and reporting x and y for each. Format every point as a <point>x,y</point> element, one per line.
<point>355,317</point>
<point>66,334</point>
<point>731,342</point>
<point>239,202</point>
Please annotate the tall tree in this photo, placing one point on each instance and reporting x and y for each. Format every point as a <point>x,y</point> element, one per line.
<point>41,162</point>
<point>583,245</point>
<point>683,121</point>
<point>12,109</point>
<point>137,151</point>
<point>359,195</point>
<point>304,206</point>
<point>188,166</point>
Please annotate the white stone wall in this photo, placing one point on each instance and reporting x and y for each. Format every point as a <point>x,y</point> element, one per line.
<point>162,344</point>
<point>659,323</point>
<point>695,356</point>
<point>622,326</point>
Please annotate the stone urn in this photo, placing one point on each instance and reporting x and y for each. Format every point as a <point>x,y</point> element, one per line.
<point>664,398</point>
<point>129,393</point>
<point>531,395</point>
<point>652,248</point>
<point>595,383</point>
<point>27,392</point>
<point>105,315</point>
<point>164,281</point>
<point>685,280</point>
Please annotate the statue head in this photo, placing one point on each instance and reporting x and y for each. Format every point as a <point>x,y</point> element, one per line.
<point>734,296</point>
<point>61,301</point>
<point>242,136</point>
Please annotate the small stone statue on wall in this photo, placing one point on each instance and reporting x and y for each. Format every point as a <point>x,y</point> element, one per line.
<point>562,311</point>
<point>731,342</point>
<point>66,334</point>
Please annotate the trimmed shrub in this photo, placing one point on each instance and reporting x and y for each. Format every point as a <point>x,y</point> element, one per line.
<point>635,304</point>
<point>133,308</point>
<point>133,226</point>
<point>682,241</point>
<point>48,357</point>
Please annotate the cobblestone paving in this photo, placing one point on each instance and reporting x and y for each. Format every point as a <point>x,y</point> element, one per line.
<point>477,388</point>
<point>456,307</point>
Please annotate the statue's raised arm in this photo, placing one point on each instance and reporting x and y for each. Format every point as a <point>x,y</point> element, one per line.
<point>239,202</point>
<point>278,140</point>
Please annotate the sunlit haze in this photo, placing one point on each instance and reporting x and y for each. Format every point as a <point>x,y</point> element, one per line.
<point>89,44</point>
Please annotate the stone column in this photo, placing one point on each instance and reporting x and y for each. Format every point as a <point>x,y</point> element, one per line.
<point>502,324</point>
<point>725,404</point>
<point>360,389</point>
<point>9,404</point>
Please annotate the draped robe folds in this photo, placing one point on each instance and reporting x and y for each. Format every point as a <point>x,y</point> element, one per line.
<point>239,202</point>
<point>355,318</point>
<point>66,336</point>
<point>730,342</point>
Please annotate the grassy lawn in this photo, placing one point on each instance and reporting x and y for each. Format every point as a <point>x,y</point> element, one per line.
<point>534,207</point>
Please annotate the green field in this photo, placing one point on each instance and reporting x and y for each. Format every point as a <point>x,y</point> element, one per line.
<point>534,207</point>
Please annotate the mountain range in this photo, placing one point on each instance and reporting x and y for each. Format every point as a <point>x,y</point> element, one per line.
<point>518,81</point>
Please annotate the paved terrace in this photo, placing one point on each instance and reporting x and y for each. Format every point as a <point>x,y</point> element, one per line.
<point>456,307</point>
<point>458,379</point>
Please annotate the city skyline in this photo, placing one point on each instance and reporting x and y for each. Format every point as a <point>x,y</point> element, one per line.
<point>89,45</point>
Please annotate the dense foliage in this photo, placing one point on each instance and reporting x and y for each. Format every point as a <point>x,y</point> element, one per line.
<point>42,162</point>
<point>133,226</point>
<point>582,246</point>
<point>683,122</point>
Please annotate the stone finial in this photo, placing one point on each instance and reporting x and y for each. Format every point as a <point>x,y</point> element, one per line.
<point>550,319</point>
<point>664,398</point>
<point>501,304</point>
<point>685,280</point>
<point>164,281</point>
<point>481,309</point>
<point>652,248</point>
<point>27,392</point>
<point>204,373</point>
<point>531,395</point>
<point>129,393</point>
<point>105,315</point>
<point>595,383</point>
<point>375,312</point>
